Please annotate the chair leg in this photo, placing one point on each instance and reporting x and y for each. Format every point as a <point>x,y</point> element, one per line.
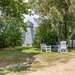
<point>66,50</point>
<point>50,49</point>
<point>46,49</point>
<point>59,50</point>
<point>41,49</point>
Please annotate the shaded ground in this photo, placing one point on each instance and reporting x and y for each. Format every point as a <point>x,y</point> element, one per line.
<point>21,60</point>
<point>18,59</point>
<point>17,55</point>
<point>59,69</point>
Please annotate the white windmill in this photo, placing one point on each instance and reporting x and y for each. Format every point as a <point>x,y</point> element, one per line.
<point>31,20</point>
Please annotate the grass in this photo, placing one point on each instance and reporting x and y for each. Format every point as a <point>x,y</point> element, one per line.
<point>19,55</point>
<point>12,61</point>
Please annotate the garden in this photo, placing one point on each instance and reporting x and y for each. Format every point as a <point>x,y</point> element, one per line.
<point>56,23</point>
<point>22,60</point>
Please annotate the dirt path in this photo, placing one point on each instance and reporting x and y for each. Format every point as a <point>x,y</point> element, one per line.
<point>59,69</point>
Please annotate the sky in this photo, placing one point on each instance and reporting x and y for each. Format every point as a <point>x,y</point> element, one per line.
<point>25,1</point>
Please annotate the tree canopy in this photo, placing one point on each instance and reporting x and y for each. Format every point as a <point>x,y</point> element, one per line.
<point>13,8</point>
<point>61,15</point>
<point>11,22</point>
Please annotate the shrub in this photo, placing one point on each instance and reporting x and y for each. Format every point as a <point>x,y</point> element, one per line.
<point>10,35</point>
<point>45,34</point>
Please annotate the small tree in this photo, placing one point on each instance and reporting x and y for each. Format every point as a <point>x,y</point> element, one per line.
<point>11,22</point>
<point>45,33</point>
<point>62,14</point>
<point>10,34</point>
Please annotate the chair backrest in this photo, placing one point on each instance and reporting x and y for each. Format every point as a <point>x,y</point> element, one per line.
<point>43,46</point>
<point>63,45</point>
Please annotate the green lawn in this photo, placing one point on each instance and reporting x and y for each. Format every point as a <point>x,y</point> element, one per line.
<point>20,60</point>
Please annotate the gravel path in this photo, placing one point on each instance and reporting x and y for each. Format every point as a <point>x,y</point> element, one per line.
<point>59,69</point>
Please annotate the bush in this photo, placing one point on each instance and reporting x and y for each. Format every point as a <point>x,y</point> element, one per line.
<point>10,35</point>
<point>45,34</point>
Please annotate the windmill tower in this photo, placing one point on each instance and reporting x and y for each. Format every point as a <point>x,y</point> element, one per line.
<point>28,40</point>
<point>30,19</point>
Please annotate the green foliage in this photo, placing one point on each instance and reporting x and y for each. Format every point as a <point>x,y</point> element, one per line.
<point>45,33</point>
<point>61,15</point>
<point>13,8</point>
<point>11,22</point>
<point>10,34</point>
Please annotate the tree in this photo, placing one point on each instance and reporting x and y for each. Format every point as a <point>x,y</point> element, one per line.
<point>11,22</point>
<point>45,34</point>
<point>10,34</point>
<point>13,9</point>
<point>61,14</point>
